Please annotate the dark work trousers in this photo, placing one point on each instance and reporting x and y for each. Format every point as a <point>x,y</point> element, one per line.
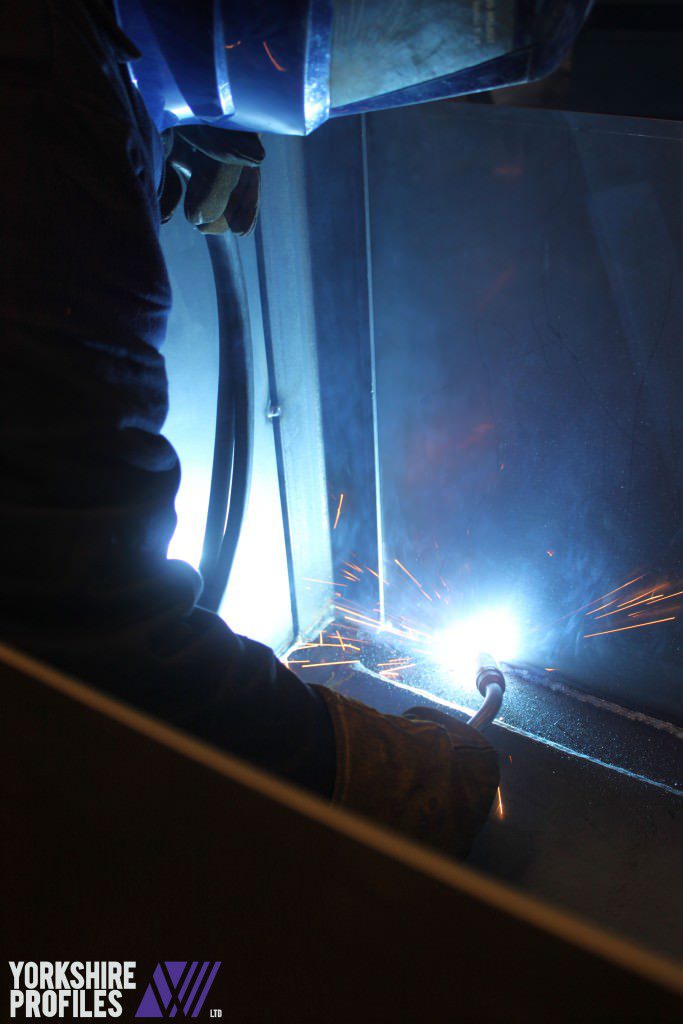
<point>87,481</point>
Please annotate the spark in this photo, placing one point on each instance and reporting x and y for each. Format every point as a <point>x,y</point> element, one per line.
<point>410,576</point>
<point>275,64</point>
<point>323,664</point>
<point>231,46</point>
<point>550,554</point>
<point>617,611</point>
<point>638,625</point>
<point>600,607</point>
<point>326,583</point>
<point>501,811</point>
<point>354,567</point>
<point>664,597</point>
<point>376,574</point>
<point>637,598</point>
<point>595,599</point>
<point>339,508</point>
<point>317,646</point>
<point>645,598</point>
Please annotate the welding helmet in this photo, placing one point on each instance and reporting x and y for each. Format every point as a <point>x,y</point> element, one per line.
<point>288,67</point>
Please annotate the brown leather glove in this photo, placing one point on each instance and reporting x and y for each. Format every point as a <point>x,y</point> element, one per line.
<point>217,170</point>
<point>426,773</point>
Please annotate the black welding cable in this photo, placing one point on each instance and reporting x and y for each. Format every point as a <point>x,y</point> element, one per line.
<point>233,443</point>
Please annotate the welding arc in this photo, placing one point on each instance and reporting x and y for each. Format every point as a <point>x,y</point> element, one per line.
<point>232,453</point>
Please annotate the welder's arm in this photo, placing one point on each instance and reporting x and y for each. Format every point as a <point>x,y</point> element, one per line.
<point>87,481</point>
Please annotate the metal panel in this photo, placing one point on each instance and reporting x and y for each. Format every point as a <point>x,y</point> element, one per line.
<point>528,295</point>
<point>289,323</point>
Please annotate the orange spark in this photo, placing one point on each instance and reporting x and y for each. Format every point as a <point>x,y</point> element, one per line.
<point>275,64</point>
<point>352,565</point>
<point>595,599</point>
<point>638,625</point>
<point>600,607</point>
<point>410,576</point>
<point>501,812</point>
<point>231,46</point>
<point>339,508</point>
<point>663,597</point>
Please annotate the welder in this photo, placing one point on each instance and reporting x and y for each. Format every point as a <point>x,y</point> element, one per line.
<point>87,481</point>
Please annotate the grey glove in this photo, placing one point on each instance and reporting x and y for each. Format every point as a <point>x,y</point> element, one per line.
<point>217,171</point>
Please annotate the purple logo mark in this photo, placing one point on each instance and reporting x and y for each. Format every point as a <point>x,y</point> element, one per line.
<point>178,987</point>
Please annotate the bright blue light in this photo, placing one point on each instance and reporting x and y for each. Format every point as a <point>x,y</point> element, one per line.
<point>493,631</point>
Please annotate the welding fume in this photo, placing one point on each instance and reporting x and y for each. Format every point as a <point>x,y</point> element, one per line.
<point>120,114</point>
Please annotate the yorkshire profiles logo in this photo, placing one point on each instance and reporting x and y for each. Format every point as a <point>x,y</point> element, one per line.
<point>178,988</point>
<point>69,988</point>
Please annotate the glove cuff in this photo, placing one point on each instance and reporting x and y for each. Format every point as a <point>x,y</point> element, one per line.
<point>435,782</point>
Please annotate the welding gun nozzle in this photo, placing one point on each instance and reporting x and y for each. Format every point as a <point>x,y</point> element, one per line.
<point>488,672</point>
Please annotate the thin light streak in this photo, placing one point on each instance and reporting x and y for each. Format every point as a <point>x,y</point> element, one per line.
<point>317,646</point>
<point>638,625</point>
<point>595,599</point>
<point>327,583</point>
<point>324,664</point>
<point>622,609</point>
<point>275,64</point>
<point>410,576</point>
<point>643,595</point>
<point>501,811</point>
<point>600,607</point>
<point>663,597</point>
<point>339,508</point>
<point>377,453</point>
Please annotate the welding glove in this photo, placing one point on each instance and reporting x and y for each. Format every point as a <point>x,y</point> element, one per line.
<point>425,773</point>
<point>217,172</point>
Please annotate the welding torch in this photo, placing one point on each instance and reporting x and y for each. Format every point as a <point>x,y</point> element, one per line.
<point>491,685</point>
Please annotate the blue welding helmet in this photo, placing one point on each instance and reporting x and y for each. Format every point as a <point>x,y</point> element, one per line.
<point>287,67</point>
